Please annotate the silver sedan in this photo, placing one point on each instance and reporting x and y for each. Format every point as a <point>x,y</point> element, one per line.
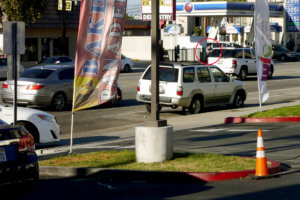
<point>49,85</point>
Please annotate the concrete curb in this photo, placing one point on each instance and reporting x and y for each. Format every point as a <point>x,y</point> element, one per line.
<point>229,120</point>
<point>133,175</point>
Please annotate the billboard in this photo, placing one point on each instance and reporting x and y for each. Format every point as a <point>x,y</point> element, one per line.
<point>166,9</point>
<point>292,15</point>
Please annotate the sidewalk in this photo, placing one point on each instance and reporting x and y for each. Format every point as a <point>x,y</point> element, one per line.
<point>179,123</point>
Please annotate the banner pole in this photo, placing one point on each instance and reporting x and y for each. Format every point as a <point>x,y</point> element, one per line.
<point>71,137</point>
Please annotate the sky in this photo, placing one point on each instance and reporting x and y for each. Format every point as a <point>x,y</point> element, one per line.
<point>134,6</point>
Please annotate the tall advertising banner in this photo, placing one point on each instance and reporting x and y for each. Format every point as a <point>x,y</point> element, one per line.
<point>263,46</point>
<point>98,54</point>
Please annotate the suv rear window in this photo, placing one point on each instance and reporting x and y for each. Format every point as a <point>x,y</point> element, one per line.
<point>36,73</point>
<point>165,74</point>
<point>227,53</point>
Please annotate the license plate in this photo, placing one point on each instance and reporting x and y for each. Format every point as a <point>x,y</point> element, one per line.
<point>19,88</point>
<point>2,155</point>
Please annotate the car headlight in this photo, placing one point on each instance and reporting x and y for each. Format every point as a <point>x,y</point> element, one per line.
<point>47,117</point>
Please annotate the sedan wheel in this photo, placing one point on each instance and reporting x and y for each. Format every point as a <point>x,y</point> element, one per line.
<point>59,102</point>
<point>283,57</point>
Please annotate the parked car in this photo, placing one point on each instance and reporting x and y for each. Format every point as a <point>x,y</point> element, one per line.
<point>66,60</point>
<point>240,62</point>
<point>192,87</point>
<point>4,68</point>
<point>283,54</point>
<point>42,125</point>
<point>127,64</point>
<point>48,85</point>
<point>18,160</point>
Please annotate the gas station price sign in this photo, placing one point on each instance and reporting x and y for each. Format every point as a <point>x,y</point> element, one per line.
<point>293,15</point>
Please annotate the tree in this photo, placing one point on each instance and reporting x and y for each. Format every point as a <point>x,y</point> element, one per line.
<point>28,11</point>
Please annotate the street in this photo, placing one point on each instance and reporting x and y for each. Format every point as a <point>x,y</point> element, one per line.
<point>284,87</point>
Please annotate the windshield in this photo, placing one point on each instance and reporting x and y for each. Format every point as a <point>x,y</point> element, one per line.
<point>165,74</point>
<point>36,73</point>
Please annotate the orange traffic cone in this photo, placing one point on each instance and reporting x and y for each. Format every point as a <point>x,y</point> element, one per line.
<point>261,161</point>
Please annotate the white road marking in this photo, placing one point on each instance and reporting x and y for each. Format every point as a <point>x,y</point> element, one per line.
<point>227,130</point>
<point>248,130</point>
<point>209,130</point>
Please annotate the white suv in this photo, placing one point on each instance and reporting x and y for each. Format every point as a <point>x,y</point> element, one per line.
<point>240,62</point>
<point>191,86</point>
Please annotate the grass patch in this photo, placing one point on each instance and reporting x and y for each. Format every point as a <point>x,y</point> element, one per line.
<point>187,162</point>
<point>291,111</point>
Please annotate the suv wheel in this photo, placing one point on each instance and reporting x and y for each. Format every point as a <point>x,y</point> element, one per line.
<point>196,106</point>
<point>243,74</point>
<point>239,100</point>
<point>148,107</point>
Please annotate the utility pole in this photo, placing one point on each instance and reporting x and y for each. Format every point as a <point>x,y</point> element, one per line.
<point>63,36</point>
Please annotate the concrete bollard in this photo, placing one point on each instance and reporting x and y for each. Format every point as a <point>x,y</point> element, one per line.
<point>153,144</point>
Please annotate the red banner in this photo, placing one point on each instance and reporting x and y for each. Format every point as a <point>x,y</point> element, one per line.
<point>98,54</point>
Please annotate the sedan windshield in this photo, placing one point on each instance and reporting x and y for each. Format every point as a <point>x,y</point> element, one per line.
<point>37,73</point>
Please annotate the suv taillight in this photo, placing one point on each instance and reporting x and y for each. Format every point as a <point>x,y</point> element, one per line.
<point>26,143</point>
<point>138,87</point>
<point>234,63</point>
<point>4,86</point>
<point>179,91</point>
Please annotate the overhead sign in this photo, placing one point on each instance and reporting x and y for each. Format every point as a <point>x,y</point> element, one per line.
<point>68,5</point>
<point>166,10</point>
<point>292,16</point>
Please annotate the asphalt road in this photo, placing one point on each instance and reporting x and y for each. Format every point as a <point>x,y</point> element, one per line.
<point>284,87</point>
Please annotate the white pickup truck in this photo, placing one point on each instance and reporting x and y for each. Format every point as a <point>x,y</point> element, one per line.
<point>240,62</point>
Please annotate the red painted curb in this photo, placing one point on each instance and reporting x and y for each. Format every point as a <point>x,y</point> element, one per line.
<point>218,176</point>
<point>229,120</point>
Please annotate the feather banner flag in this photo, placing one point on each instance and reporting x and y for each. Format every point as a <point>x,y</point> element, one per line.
<point>263,47</point>
<point>98,53</point>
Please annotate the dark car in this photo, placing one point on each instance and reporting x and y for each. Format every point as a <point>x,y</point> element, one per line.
<point>282,53</point>
<point>18,160</point>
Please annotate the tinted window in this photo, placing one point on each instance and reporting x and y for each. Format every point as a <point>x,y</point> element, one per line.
<point>188,75</point>
<point>47,60</point>
<point>253,53</point>
<point>226,53</point>
<point>66,74</point>
<point>203,75</point>
<point>11,133</point>
<point>64,59</point>
<point>3,61</point>
<point>247,53</point>
<point>165,74</point>
<point>36,73</point>
<point>238,53</point>
<point>219,76</point>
